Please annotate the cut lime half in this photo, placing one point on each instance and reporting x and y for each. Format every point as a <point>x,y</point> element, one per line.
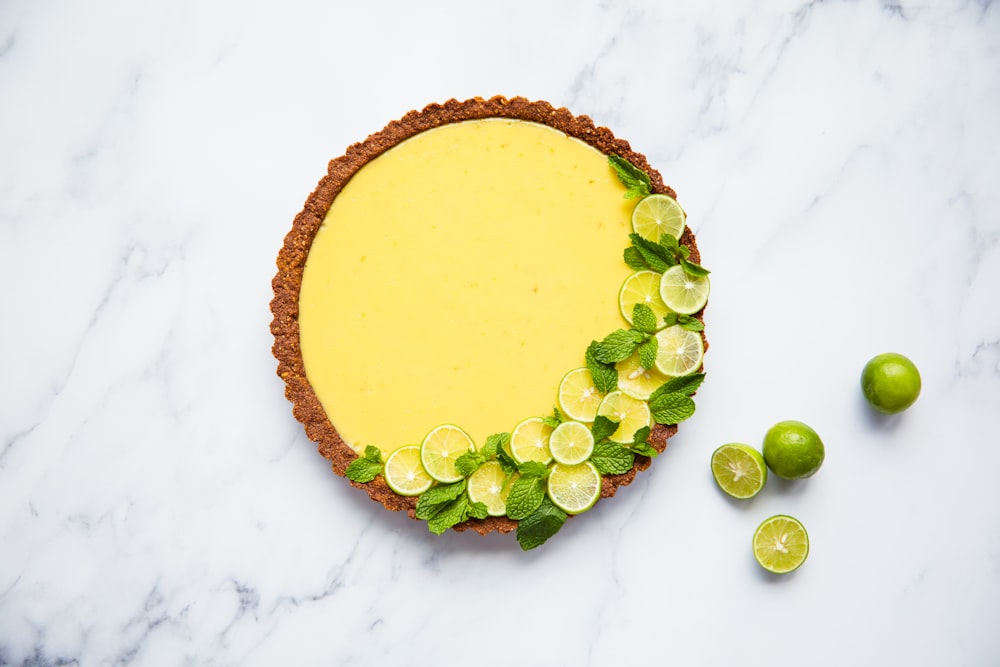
<point>630,413</point>
<point>642,287</point>
<point>529,441</point>
<point>780,544</point>
<point>488,485</point>
<point>578,397</point>
<point>575,488</point>
<point>656,215</point>
<point>739,470</point>
<point>682,292</point>
<point>439,450</point>
<point>405,474</point>
<point>679,351</point>
<point>571,443</point>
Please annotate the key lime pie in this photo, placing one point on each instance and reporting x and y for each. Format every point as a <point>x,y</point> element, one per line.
<point>489,315</point>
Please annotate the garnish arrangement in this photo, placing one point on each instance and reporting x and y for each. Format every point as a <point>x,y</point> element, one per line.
<point>547,469</point>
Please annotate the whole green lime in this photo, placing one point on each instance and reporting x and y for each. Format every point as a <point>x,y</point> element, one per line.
<point>793,450</point>
<point>890,382</point>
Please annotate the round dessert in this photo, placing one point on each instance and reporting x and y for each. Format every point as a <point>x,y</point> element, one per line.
<point>458,276</point>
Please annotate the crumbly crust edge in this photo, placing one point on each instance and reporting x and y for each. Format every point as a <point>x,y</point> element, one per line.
<point>291,260</point>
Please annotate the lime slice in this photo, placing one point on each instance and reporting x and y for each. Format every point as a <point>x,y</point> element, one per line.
<point>630,413</point>
<point>571,443</point>
<point>578,397</point>
<point>576,488</point>
<point>682,292</point>
<point>404,473</point>
<point>739,470</point>
<point>656,215</point>
<point>530,441</point>
<point>780,544</point>
<point>439,450</point>
<point>642,287</point>
<point>678,351</point>
<point>488,485</point>
<point>636,381</point>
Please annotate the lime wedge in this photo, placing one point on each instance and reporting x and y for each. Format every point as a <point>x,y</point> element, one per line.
<point>488,485</point>
<point>682,292</point>
<point>656,215</point>
<point>571,443</point>
<point>780,544</point>
<point>739,470</point>
<point>642,287</point>
<point>578,397</point>
<point>576,488</point>
<point>630,413</point>
<point>404,473</point>
<point>678,351</point>
<point>439,450</point>
<point>529,441</point>
<point>636,381</point>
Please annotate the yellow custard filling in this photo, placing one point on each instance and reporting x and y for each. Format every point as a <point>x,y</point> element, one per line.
<point>457,277</point>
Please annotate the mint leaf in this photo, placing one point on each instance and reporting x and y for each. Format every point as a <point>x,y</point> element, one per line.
<point>604,375</point>
<point>554,419</point>
<point>478,510</point>
<point>647,352</point>
<point>366,467</point>
<point>610,458</point>
<point>506,461</point>
<point>603,428</point>
<point>693,269</point>
<point>655,255</point>
<point>436,498</point>
<point>633,259</point>
<point>685,321</point>
<point>643,449</point>
<point>540,525</point>
<point>533,469</point>
<point>640,445</point>
<point>634,179</point>
<point>643,318</point>
<point>526,494</point>
<point>671,408</point>
<point>682,384</point>
<point>362,470</point>
<point>618,345</point>
<point>468,463</point>
<point>494,443</point>
<point>453,513</point>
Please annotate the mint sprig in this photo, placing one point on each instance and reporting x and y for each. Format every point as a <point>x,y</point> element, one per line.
<point>671,403</point>
<point>684,321</point>
<point>528,492</point>
<point>366,467</point>
<point>635,180</point>
<point>446,506</point>
<point>603,374</point>
<point>645,254</point>
<point>534,529</point>
<point>554,419</point>
<point>622,344</point>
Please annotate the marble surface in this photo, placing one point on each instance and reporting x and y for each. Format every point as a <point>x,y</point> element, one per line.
<point>159,505</point>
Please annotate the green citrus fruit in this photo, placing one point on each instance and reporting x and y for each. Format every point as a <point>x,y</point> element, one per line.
<point>780,544</point>
<point>890,382</point>
<point>739,470</point>
<point>793,450</point>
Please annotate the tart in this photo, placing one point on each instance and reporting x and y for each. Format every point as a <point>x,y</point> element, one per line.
<point>446,276</point>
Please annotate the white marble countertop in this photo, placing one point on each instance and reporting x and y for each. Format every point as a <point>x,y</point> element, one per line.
<point>159,505</point>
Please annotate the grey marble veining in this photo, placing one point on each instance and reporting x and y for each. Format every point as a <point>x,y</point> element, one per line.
<point>160,506</point>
